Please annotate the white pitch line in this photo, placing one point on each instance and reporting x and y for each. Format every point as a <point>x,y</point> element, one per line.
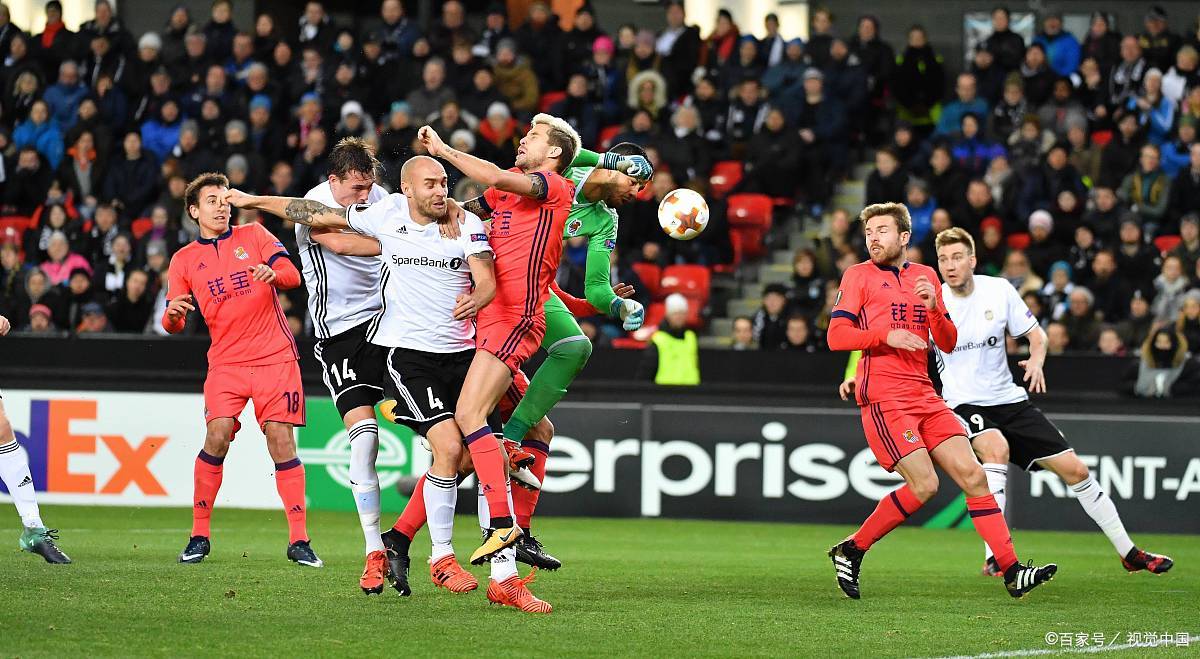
<point>1092,649</point>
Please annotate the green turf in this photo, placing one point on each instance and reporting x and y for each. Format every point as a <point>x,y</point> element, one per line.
<point>630,588</point>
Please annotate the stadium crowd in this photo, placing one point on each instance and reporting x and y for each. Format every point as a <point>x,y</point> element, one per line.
<point>1074,165</point>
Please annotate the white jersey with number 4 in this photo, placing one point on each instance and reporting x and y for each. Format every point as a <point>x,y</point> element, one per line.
<point>977,371</point>
<point>343,291</point>
<point>423,275</point>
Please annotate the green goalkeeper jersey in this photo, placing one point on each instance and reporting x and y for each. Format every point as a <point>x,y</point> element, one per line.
<point>596,221</point>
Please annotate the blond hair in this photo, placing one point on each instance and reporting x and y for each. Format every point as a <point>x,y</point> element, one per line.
<point>955,236</point>
<point>898,212</point>
<point>561,135</point>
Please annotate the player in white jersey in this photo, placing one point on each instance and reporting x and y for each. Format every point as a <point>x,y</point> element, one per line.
<point>14,474</point>
<point>432,288</point>
<point>1001,422</point>
<point>343,299</point>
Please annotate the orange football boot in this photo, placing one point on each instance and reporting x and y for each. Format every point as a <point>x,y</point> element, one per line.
<point>374,573</point>
<point>447,573</point>
<point>513,592</point>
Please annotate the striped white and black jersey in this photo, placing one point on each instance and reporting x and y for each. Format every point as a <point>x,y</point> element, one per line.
<point>423,275</point>
<point>343,291</point>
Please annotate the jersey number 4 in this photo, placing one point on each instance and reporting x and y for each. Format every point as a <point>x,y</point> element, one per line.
<point>435,403</point>
<point>346,373</point>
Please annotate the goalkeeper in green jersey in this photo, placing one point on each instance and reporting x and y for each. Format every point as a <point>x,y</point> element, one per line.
<point>602,181</point>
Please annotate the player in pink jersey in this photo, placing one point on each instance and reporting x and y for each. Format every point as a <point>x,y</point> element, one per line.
<point>890,308</point>
<point>231,275</point>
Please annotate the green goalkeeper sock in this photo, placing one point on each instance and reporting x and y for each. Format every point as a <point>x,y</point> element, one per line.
<point>563,362</point>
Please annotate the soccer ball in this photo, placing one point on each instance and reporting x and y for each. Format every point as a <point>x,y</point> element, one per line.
<point>683,214</point>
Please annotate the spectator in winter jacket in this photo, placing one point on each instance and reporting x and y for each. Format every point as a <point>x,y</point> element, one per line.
<point>1185,189</point>
<point>1010,110</point>
<point>1101,43</point>
<point>1155,112</point>
<point>770,322</point>
<point>578,110</point>
<point>917,82</point>
<point>773,164</point>
<point>972,152</point>
<point>1176,154</point>
<point>685,152</point>
<point>1006,46</point>
<point>920,207</point>
<point>1125,79</point>
<point>887,181</point>
<point>133,305</point>
<point>64,96</point>
<point>785,77</point>
<point>1037,75</point>
<point>26,186</point>
<point>1169,288</point>
<point>161,134</point>
<point>61,262</point>
<point>1062,49</point>
<point>966,101</point>
<point>41,132</point>
<point>132,180</point>
<point>678,46</point>
<point>606,81</point>
<point>540,39</point>
<point>1157,41</point>
<point>1061,111</point>
<point>516,80</point>
<point>1147,190</point>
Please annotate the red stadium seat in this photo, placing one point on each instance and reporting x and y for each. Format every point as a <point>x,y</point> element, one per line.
<point>692,281</point>
<point>1018,241</point>
<point>651,276</point>
<point>549,99</point>
<point>1167,243</point>
<point>750,210</point>
<point>18,223</point>
<point>747,243</point>
<point>726,174</point>
<point>605,138</point>
<point>141,227</point>
<point>628,343</point>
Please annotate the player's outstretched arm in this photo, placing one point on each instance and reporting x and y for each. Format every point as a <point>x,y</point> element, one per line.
<point>478,169</point>
<point>300,211</point>
<point>346,244</point>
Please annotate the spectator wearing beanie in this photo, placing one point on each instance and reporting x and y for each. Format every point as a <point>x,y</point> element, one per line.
<point>606,81</point>
<point>1062,49</point>
<point>1043,250</point>
<point>1157,41</point>
<point>991,250</point>
<point>770,321</point>
<point>499,135</point>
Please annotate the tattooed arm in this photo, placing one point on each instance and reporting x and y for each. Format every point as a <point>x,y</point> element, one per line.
<point>526,185</point>
<point>477,207</point>
<point>300,211</point>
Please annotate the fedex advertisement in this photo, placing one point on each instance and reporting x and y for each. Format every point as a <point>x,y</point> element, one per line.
<point>139,449</point>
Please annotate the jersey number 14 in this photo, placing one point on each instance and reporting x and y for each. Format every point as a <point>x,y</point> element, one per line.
<point>346,373</point>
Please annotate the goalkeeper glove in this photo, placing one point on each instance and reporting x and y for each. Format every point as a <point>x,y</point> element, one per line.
<point>631,313</point>
<point>636,166</point>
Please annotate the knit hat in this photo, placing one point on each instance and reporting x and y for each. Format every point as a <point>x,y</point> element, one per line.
<point>1060,265</point>
<point>352,107</point>
<point>150,40</point>
<point>604,43</point>
<point>260,101</point>
<point>676,303</point>
<point>499,109</point>
<point>1041,218</point>
<point>991,222</point>
<point>40,308</point>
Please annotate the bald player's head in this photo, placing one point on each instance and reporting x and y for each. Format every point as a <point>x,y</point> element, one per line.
<point>423,181</point>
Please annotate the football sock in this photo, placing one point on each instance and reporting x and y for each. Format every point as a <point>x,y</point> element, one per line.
<point>564,360</point>
<point>440,496</point>
<point>889,513</point>
<point>525,501</point>
<point>997,480</point>
<point>412,518</point>
<point>990,525</point>
<point>289,481</point>
<point>1100,507</point>
<point>364,480</point>
<point>491,468</point>
<point>14,471</point>
<point>206,482</point>
<point>504,563</point>
<point>485,518</point>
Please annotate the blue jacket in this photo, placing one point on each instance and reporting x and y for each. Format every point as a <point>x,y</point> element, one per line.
<point>952,113</point>
<point>1062,51</point>
<point>1175,158</point>
<point>46,138</point>
<point>64,102</point>
<point>159,138</point>
<point>922,221</point>
<point>974,155</point>
<point>1157,120</point>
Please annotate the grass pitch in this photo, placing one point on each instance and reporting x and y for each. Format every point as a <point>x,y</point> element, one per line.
<point>650,588</point>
